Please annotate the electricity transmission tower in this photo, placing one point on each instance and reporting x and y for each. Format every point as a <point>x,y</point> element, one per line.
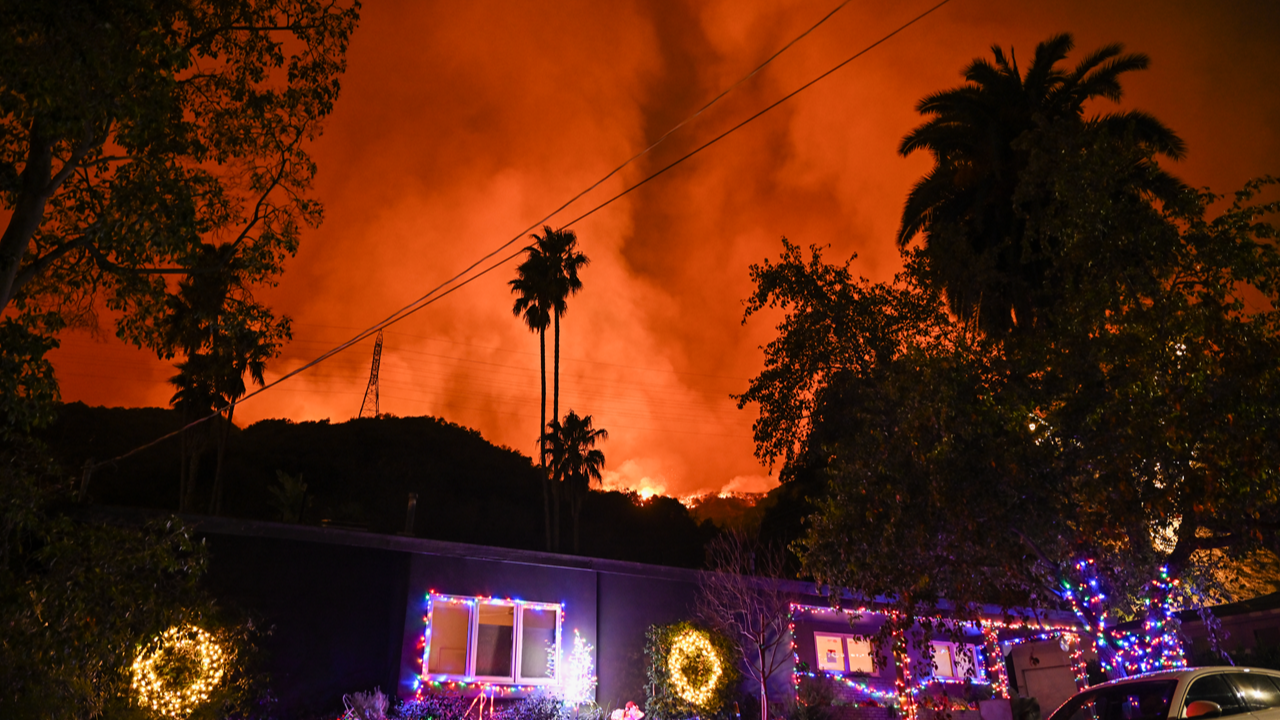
<point>369,407</point>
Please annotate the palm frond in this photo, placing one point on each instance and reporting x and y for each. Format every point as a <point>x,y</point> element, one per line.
<point>1144,128</point>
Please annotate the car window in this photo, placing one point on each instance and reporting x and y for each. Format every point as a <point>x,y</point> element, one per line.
<point>1215,688</point>
<point>1259,691</point>
<point>1130,701</point>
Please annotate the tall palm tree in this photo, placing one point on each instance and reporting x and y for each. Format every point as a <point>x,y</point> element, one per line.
<point>965,206</point>
<point>574,460</point>
<point>544,282</point>
<point>534,290</point>
<point>561,247</point>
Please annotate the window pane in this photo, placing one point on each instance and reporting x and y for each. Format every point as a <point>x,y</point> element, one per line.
<point>537,643</point>
<point>450,625</point>
<point>1131,701</point>
<point>860,656</point>
<point>830,652</point>
<point>942,660</point>
<point>495,635</point>
<point>1215,688</point>
<point>1259,691</point>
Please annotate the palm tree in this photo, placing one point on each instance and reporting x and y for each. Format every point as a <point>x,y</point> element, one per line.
<point>574,460</point>
<point>561,247</point>
<point>544,282</point>
<point>534,291</point>
<point>965,207</point>
<point>195,398</point>
<point>223,333</point>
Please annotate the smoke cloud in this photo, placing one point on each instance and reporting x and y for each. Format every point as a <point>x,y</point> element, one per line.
<point>462,123</point>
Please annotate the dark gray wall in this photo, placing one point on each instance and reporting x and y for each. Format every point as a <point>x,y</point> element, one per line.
<point>629,604</point>
<point>335,613</point>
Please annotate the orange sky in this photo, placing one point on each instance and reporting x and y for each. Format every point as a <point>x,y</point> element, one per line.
<point>462,123</point>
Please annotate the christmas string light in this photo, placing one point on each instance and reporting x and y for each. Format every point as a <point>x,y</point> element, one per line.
<point>177,644</point>
<point>906,691</point>
<point>693,645</point>
<point>889,697</point>
<point>425,681</point>
<point>580,677</point>
<point>907,687</point>
<point>995,662</point>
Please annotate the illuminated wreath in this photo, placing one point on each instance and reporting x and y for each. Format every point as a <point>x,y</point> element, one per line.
<point>695,646</point>
<point>152,670</point>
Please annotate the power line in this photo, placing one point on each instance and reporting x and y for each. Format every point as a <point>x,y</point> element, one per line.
<point>431,296</point>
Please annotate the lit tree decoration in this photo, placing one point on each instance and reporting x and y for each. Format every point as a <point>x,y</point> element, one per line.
<point>694,648</point>
<point>177,670</point>
<point>580,675</point>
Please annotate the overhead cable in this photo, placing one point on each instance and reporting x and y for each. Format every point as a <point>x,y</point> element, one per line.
<point>438,292</point>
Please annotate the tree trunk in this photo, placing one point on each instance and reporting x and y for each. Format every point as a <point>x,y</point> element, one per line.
<point>193,473</point>
<point>576,509</point>
<point>182,463</point>
<point>542,438</point>
<point>555,513</point>
<point>764,685</point>
<point>28,212</point>
<point>215,502</point>
<point>555,415</point>
<point>555,396</point>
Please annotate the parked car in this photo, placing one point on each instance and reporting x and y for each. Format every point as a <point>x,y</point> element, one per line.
<point>1208,692</point>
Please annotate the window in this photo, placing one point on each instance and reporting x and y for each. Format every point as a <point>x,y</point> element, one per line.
<point>492,640</point>
<point>830,652</point>
<point>842,653</point>
<point>1215,688</point>
<point>953,661</point>
<point>860,657</point>
<point>944,663</point>
<point>1259,691</point>
<point>1129,701</point>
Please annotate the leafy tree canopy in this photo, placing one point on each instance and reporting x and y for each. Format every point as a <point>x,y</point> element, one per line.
<point>146,138</point>
<point>1134,427</point>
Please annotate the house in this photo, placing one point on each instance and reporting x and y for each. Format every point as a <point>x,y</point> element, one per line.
<point>354,610</point>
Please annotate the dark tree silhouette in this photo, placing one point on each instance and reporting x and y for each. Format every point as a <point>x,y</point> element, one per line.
<point>544,282</point>
<point>575,462</point>
<point>535,290</point>
<point>132,132</point>
<point>214,322</point>
<point>966,208</point>
<point>561,248</point>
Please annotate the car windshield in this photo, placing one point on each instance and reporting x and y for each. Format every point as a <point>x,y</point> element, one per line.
<point>1130,701</point>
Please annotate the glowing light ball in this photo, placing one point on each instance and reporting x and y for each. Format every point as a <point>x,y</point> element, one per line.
<point>691,647</point>
<point>177,670</point>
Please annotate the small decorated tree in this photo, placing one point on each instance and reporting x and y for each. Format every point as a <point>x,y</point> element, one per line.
<point>693,672</point>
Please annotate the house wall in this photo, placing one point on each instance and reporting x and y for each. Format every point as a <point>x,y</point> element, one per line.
<point>346,608</point>
<point>629,604</point>
<point>1246,632</point>
<point>332,615</point>
<point>575,588</point>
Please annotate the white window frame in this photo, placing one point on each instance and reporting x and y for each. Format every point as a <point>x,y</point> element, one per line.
<point>964,656</point>
<point>473,620</point>
<point>847,644</point>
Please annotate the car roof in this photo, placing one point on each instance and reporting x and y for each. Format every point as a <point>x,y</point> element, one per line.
<point>1184,673</point>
